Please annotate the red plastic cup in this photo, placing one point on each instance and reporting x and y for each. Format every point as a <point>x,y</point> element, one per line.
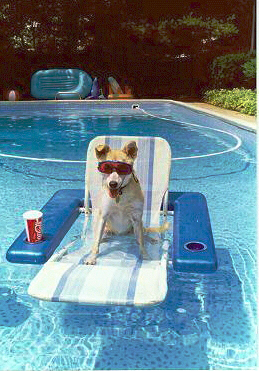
<point>33,225</point>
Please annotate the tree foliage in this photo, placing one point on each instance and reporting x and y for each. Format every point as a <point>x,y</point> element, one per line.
<point>125,37</point>
<point>198,33</point>
<point>249,68</point>
<point>46,26</point>
<point>227,71</point>
<point>76,25</point>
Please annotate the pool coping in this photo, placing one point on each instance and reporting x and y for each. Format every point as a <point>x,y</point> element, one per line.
<point>235,118</point>
<point>242,121</point>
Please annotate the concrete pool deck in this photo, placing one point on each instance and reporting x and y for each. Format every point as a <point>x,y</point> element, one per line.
<point>242,120</point>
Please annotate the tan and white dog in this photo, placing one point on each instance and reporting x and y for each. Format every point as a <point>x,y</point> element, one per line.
<point>120,206</point>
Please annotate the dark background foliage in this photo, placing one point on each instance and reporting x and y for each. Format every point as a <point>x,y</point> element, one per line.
<point>161,48</point>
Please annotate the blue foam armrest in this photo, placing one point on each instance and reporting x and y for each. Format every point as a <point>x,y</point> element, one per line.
<point>193,244</point>
<point>59,213</point>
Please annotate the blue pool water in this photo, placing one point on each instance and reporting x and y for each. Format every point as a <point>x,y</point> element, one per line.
<point>206,321</point>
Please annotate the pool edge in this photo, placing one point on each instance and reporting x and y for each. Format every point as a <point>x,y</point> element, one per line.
<point>241,123</point>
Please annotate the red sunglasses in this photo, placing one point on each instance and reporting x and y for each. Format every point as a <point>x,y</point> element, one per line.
<point>121,168</point>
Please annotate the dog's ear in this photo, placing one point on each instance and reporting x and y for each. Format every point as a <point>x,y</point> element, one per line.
<point>101,150</point>
<point>131,149</point>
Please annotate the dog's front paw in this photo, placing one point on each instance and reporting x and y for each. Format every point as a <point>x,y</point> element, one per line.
<point>90,260</point>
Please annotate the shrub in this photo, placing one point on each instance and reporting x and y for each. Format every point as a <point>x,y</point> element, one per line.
<point>249,71</point>
<point>249,68</point>
<point>227,70</point>
<point>241,100</point>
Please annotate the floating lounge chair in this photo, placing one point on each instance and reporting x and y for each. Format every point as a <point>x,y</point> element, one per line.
<point>61,83</point>
<point>115,91</point>
<point>121,276</point>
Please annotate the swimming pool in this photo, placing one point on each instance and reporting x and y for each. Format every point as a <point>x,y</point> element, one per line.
<point>207,321</point>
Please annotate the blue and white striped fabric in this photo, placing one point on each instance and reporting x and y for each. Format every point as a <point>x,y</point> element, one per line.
<point>126,282</point>
<point>120,276</point>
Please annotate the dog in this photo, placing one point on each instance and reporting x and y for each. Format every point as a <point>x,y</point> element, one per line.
<point>120,205</point>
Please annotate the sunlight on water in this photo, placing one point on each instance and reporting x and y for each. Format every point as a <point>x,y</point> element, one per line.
<point>206,321</point>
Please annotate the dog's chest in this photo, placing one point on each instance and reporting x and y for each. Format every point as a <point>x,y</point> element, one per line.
<point>122,214</point>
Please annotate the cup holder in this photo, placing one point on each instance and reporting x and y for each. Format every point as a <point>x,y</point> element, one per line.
<point>195,246</point>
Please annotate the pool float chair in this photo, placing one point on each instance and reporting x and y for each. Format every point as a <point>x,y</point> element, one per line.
<point>115,91</point>
<point>61,84</point>
<point>121,276</point>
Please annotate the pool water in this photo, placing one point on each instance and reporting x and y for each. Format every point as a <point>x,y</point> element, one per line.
<point>206,321</point>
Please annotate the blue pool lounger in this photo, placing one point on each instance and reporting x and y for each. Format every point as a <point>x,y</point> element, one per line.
<point>61,83</point>
<point>121,276</point>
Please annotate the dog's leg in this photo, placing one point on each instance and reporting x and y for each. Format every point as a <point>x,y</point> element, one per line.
<point>99,224</point>
<point>138,230</point>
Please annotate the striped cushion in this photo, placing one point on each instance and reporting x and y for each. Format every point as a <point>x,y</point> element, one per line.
<point>127,282</point>
<point>120,275</point>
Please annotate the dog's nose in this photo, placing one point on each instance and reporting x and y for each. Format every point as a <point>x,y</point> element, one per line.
<point>113,184</point>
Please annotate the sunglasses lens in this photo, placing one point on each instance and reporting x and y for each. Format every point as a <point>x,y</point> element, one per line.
<point>105,168</point>
<point>121,168</point>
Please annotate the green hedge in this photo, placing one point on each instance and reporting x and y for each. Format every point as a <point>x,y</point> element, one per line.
<point>228,71</point>
<point>249,68</point>
<point>241,100</point>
